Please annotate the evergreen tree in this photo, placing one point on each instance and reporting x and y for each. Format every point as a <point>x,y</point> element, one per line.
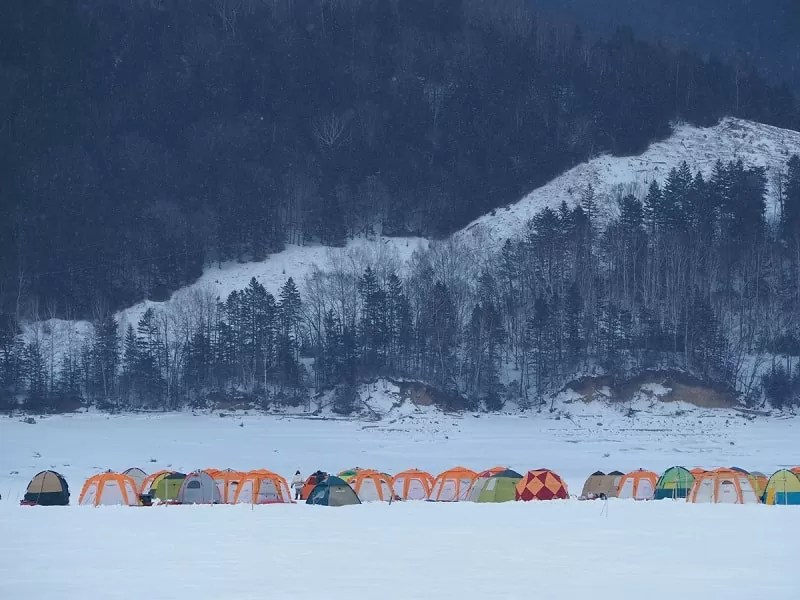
<point>333,356</point>
<point>675,198</point>
<point>147,375</point>
<point>374,326</point>
<point>289,315</point>
<point>653,209</point>
<point>104,359</point>
<point>35,376</point>
<point>588,202</point>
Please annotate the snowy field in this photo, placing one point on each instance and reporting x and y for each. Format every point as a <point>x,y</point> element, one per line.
<point>568,549</point>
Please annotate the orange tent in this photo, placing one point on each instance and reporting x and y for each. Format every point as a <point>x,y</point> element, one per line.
<point>372,486</point>
<point>452,485</point>
<point>697,471</point>
<point>109,489</point>
<point>227,481</point>
<point>262,487</point>
<point>412,484</point>
<point>639,485</point>
<point>541,484</point>
<point>723,486</point>
<point>795,470</point>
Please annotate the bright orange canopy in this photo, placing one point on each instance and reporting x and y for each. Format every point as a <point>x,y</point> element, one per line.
<point>639,485</point>
<point>723,486</point>
<point>227,481</point>
<point>372,486</point>
<point>452,485</point>
<point>109,489</point>
<point>412,484</point>
<point>262,487</point>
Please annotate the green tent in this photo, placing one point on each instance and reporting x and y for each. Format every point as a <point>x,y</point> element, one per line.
<point>165,487</point>
<point>675,482</point>
<point>499,487</point>
<point>333,492</point>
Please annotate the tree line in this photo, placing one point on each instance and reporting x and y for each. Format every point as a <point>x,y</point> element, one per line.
<point>693,275</point>
<point>144,139</point>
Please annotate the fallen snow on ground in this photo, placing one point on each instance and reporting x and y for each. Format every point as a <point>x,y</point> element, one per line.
<point>567,549</point>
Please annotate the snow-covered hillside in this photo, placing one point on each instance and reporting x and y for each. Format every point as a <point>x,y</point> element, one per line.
<point>610,176</point>
<point>731,139</point>
<point>754,143</point>
<point>219,280</point>
<point>295,261</point>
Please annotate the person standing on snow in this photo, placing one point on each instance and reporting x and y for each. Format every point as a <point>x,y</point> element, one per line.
<point>297,484</point>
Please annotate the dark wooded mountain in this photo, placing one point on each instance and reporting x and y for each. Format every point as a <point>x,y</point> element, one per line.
<point>142,139</point>
<point>760,33</point>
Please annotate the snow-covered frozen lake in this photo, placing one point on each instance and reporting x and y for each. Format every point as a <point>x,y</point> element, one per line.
<point>563,549</point>
<point>568,549</point>
<point>594,437</point>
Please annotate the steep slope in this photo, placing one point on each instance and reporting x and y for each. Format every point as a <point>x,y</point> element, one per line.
<point>612,176</point>
<point>295,261</point>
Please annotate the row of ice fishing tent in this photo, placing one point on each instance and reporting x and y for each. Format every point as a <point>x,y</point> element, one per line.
<point>354,486</point>
<point>459,484</point>
<point>731,485</point>
<point>134,487</point>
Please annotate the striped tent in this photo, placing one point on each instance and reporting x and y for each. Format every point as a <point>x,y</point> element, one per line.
<point>674,483</point>
<point>541,484</point>
<point>783,488</point>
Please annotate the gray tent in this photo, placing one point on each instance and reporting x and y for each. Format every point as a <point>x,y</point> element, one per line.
<point>137,475</point>
<point>199,488</point>
<point>600,485</point>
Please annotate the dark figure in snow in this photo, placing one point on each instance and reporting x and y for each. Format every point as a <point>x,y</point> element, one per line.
<point>297,485</point>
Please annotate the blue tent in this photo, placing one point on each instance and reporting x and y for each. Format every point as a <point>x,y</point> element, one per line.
<point>333,492</point>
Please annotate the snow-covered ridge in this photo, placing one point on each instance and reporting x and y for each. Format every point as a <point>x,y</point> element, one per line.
<point>754,143</point>
<point>295,261</point>
<point>757,145</point>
